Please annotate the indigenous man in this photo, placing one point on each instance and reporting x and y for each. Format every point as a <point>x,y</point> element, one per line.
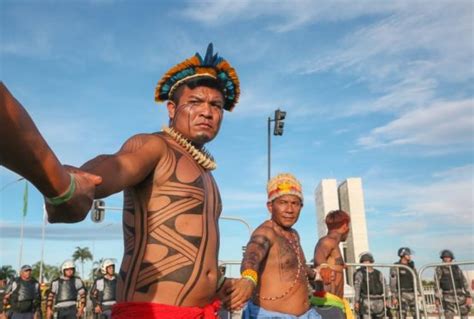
<point>103,292</point>
<point>24,151</point>
<point>452,288</point>
<point>171,201</point>
<point>23,295</point>
<point>328,261</point>
<point>65,293</point>
<point>371,290</point>
<point>402,284</point>
<point>274,271</point>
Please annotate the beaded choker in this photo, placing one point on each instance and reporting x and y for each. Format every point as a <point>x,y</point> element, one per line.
<point>202,156</point>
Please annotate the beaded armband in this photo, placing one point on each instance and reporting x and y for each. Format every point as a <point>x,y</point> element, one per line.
<point>251,275</point>
<point>64,197</point>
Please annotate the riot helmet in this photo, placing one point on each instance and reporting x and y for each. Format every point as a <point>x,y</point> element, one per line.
<point>446,253</point>
<point>67,264</point>
<point>404,251</point>
<point>106,263</point>
<point>366,256</point>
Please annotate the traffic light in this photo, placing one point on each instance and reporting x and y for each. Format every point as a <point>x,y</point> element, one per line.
<point>98,211</point>
<point>279,124</point>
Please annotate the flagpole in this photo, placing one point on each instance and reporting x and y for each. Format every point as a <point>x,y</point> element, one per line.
<point>21,241</point>
<point>42,244</point>
<point>25,210</point>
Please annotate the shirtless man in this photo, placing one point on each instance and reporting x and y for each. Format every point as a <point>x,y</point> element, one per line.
<point>274,271</point>
<point>329,264</point>
<point>171,201</point>
<point>24,151</point>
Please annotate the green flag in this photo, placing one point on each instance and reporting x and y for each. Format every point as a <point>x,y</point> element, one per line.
<point>25,199</point>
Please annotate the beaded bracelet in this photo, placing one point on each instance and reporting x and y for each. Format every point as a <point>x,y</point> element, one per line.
<point>251,275</point>
<point>64,197</point>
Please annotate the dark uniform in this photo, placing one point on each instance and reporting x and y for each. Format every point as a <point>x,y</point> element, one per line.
<point>402,285</point>
<point>369,292</point>
<point>452,288</point>
<point>64,295</point>
<point>24,298</point>
<point>103,294</point>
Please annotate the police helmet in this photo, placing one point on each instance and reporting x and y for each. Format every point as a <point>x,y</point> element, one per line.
<point>446,253</point>
<point>67,264</point>
<point>404,251</point>
<point>366,256</point>
<point>106,263</point>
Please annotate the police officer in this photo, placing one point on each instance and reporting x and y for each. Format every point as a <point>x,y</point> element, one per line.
<point>103,294</point>
<point>452,288</point>
<point>371,289</point>
<point>402,284</point>
<point>24,296</point>
<point>64,293</point>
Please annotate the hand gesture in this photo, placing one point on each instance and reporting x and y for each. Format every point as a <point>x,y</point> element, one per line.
<point>76,208</point>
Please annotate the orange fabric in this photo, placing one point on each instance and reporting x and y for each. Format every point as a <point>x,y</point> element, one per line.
<point>149,310</point>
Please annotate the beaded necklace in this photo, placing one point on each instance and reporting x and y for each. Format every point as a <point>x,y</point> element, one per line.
<point>300,265</point>
<point>202,156</point>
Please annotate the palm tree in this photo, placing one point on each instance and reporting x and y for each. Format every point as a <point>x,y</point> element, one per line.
<point>82,254</point>
<point>49,272</point>
<point>7,272</point>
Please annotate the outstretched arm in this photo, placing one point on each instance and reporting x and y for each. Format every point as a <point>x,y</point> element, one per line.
<point>128,167</point>
<point>24,151</point>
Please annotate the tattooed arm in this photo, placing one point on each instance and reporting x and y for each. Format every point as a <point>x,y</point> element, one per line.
<point>255,253</point>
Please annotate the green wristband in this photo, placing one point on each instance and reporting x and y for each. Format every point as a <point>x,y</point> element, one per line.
<point>64,197</point>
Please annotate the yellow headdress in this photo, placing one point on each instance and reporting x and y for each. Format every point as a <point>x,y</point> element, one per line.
<point>284,184</point>
<point>212,66</point>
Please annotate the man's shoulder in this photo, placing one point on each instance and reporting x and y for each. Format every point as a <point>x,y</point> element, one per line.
<point>327,241</point>
<point>265,229</point>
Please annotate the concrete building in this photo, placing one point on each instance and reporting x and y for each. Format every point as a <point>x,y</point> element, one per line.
<point>349,197</point>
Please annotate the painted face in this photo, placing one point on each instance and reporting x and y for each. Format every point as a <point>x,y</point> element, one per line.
<point>285,210</point>
<point>198,115</point>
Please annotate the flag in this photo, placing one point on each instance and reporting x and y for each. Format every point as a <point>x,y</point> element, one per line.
<point>25,199</point>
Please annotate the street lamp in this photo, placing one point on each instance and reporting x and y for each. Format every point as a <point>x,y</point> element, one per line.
<point>277,131</point>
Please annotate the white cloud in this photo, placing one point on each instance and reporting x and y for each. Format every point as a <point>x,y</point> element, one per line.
<point>444,124</point>
<point>448,199</point>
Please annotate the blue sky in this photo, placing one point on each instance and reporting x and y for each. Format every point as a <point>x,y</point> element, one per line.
<point>380,90</point>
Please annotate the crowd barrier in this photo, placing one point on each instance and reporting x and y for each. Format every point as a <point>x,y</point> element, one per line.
<point>426,296</point>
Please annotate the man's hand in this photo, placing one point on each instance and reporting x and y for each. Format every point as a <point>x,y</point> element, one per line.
<point>49,313</point>
<point>97,309</point>
<point>224,292</point>
<point>242,290</point>
<point>80,312</point>
<point>469,301</point>
<point>75,209</point>
<point>356,307</point>
<point>326,273</point>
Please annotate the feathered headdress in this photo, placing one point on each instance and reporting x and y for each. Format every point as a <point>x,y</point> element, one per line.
<point>213,66</point>
<point>284,184</point>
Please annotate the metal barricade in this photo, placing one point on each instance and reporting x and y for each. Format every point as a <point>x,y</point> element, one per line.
<point>398,266</point>
<point>438,289</point>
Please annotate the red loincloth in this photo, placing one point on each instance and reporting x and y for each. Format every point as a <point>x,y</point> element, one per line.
<point>149,310</point>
